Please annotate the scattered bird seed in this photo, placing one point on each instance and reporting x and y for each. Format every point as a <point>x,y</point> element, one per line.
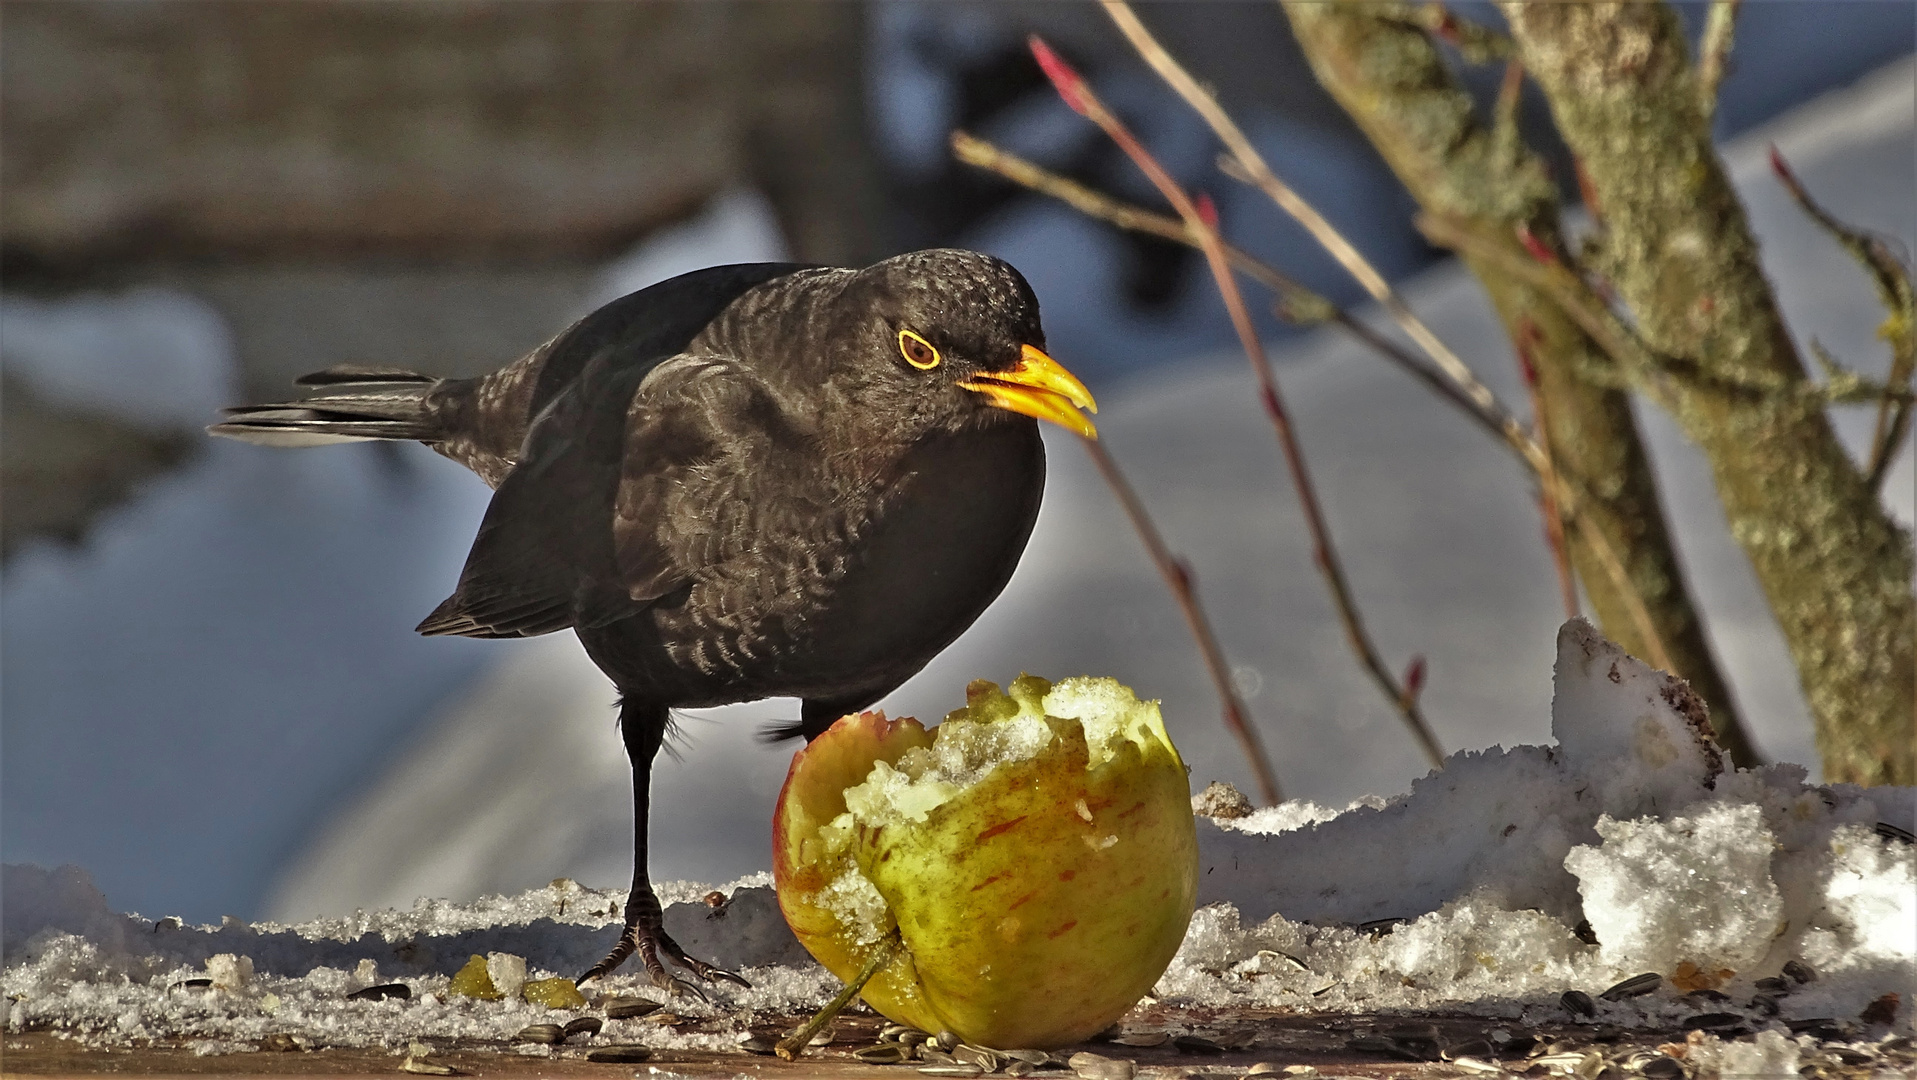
<point>886,1053</point>
<point>893,1031</point>
<point>427,1068</point>
<point>382,992</point>
<point>1635,986</point>
<point>1772,985</point>
<point>1799,971</point>
<point>1267,1068</point>
<point>1891,832</point>
<point>1381,927</point>
<point>959,1069</point>
<point>1764,1005</point>
<point>584,1025</point>
<point>1020,1068</point>
<point>1851,1057</point>
<point>945,1040</point>
<point>1472,1064</point>
<point>1029,1057</point>
<point>540,1033</point>
<point>280,1042</point>
<point>1196,1044</point>
<point>1578,1003</point>
<point>1099,1067</point>
<point>192,984</point>
<point>1583,932</point>
<point>624,1055</point>
<point>933,1055</point>
<point>625,1008</point>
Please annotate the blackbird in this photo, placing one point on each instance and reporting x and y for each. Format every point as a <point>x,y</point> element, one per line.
<point>749,481</point>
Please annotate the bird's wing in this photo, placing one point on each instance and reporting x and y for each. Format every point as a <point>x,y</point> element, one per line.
<point>543,558</point>
<point>620,498</point>
<point>700,428</point>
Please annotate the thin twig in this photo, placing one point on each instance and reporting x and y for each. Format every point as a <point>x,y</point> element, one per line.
<point>1894,288</point>
<point>1548,487</point>
<point>1713,52</point>
<point>1077,94</point>
<point>1296,303</point>
<point>1252,169</point>
<point>1178,577</point>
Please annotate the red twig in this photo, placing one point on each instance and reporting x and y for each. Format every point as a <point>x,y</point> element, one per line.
<point>1178,577</point>
<point>1078,95</point>
<point>1548,488</point>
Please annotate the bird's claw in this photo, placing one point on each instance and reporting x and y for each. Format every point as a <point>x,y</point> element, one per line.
<point>649,942</point>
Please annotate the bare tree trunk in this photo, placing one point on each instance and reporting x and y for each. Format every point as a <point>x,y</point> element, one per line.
<point>1676,245</point>
<point>1389,76</point>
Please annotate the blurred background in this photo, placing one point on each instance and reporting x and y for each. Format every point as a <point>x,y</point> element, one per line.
<point>210,695</point>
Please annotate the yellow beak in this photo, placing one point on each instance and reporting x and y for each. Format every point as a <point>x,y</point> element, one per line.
<point>1038,387</point>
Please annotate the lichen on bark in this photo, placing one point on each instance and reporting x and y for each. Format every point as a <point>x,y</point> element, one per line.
<point>1678,249</point>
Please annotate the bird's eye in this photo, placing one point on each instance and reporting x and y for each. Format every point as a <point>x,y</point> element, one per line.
<point>917,351</point>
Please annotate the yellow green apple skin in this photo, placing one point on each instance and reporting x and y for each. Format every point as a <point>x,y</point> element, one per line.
<point>1038,902</point>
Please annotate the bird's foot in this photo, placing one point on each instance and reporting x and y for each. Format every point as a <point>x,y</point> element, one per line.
<point>651,941</point>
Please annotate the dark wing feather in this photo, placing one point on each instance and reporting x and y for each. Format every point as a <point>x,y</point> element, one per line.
<point>543,559</point>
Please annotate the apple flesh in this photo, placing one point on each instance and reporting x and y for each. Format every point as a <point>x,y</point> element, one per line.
<point>1036,854</point>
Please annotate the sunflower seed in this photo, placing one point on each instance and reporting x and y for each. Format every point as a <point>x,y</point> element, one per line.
<point>427,1068</point>
<point>1020,1068</point>
<point>1029,1057</point>
<point>1381,927</point>
<point>1800,971</point>
<point>192,984</point>
<point>584,1025</point>
<point>960,1069</point>
<point>540,1033</point>
<point>1764,1005</point>
<point>1662,1068</point>
<point>1634,986</point>
<point>883,1054</point>
<point>625,1008</point>
<point>1891,832</point>
<point>1772,985</point>
<point>620,1054</point>
<point>762,1045</point>
<point>1267,1068</point>
<point>382,992</point>
<point>281,1042</point>
<point>1578,1003</point>
<point>1099,1067</point>
<point>1143,1038</point>
<point>985,1058</point>
<point>893,1031</point>
<point>1471,1064</point>
<point>1717,1021</point>
<point>933,1055</point>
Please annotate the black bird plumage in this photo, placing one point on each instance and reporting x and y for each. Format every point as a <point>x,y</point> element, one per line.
<point>745,482</point>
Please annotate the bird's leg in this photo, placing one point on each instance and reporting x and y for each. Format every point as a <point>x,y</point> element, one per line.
<point>643,727</point>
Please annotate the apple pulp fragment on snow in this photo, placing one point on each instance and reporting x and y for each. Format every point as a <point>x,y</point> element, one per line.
<point>1036,853</point>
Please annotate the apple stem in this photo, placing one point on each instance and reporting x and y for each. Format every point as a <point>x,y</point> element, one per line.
<point>794,1044</point>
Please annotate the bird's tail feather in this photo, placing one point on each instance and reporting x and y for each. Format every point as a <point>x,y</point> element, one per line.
<point>355,404</point>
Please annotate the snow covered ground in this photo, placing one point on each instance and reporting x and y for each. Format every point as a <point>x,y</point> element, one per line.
<point>1778,914</point>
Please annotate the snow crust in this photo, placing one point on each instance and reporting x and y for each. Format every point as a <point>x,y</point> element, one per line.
<point>1491,887</point>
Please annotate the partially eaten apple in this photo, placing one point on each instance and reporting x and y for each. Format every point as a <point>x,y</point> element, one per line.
<point>1035,853</point>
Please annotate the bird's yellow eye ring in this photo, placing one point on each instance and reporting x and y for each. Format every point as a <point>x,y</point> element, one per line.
<point>917,351</point>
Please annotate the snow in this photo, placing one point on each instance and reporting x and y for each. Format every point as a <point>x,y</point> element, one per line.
<point>1631,824</point>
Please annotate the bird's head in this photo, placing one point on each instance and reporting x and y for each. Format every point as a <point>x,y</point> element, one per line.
<point>957,334</point>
